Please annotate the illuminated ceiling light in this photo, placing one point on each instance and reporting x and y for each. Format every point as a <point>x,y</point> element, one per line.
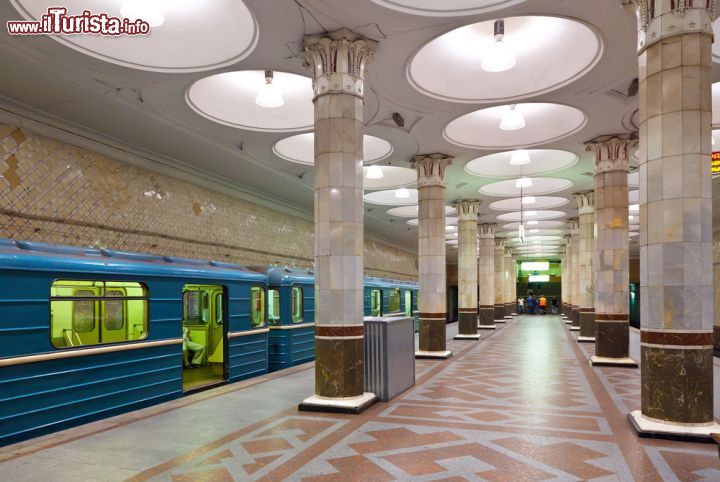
<point>528,200</point>
<point>449,228</point>
<point>375,172</point>
<point>634,208</point>
<point>147,10</point>
<point>512,119</point>
<point>531,213</point>
<point>269,95</point>
<point>534,230</point>
<point>519,157</point>
<point>631,217</point>
<point>521,233</point>
<point>402,193</point>
<point>499,56</point>
<point>523,182</point>
<point>539,278</point>
<point>532,223</point>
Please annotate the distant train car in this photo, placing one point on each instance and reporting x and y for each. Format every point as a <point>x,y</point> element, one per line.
<point>291,317</point>
<point>384,297</point>
<point>89,333</point>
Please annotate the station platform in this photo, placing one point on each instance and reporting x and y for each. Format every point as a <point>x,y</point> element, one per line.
<point>520,404</point>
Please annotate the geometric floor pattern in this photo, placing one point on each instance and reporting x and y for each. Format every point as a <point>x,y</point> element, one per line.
<point>522,404</point>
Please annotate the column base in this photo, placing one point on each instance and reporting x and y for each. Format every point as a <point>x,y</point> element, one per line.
<point>486,327</point>
<point>500,320</point>
<point>585,339</point>
<point>574,328</point>
<point>646,428</point>
<point>436,355</point>
<point>466,337</point>
<point>601,361</point>
<point>568,321</point>
<point>352,405</point>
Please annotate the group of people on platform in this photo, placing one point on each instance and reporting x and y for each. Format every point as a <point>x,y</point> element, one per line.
<point>537,305</point>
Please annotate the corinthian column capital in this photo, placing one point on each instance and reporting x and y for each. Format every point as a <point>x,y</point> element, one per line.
<point>612,153</point>
<point>586,202</point>
<point>431,169</point>
<point>574,226</point>
<point>499,244</point>
<point>665,18</point>
<point>487,230</point>
<point>467,209</point>
<point>338,61</point>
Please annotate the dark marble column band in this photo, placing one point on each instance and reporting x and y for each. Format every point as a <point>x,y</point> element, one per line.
<point>486,316</point>
<point>339,367</point>
<point>676,338</point>
<point>467,310</point>
<point>499,312</point>
<point>613,316</point>
<point>716,340</point>
<point>467,321</point>
<point>508,309</point>
<point>339,330</point>
<point>677,384</point>
<point>432,332</point>
<point>575,316</point>
<point>433,315</point>
<point>612,339</point>
<point>587,322</point>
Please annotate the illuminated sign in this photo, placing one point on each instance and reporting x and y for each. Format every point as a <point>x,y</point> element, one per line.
<point>535,266</point>
<point>715,164</point>
<point>538,278</point>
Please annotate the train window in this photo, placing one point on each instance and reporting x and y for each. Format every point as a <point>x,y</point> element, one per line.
<point>257,306</point>
<point>196,307</point>
<point>408,303</point>
<point>84,313</point>
<point>273,307</point>
<point>219,308</point>
<point>297,305</point>
<point>375,303</point>
<point>394,300</point>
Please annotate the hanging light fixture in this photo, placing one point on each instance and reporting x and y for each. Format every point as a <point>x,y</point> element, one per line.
<point>269,95</point>
<point>523,182</point>
<point>147,10</point>
<point>499,56</point>
<point>402,193</point>
<point>512,119</point>
<point>375,172</point>
<point>519,157</point>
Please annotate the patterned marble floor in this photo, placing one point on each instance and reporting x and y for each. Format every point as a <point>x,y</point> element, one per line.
<point>520,404</point>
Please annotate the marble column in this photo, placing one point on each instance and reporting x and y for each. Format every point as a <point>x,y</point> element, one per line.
<point>575,273</point>
<point>486,276</point>
<point>338,62</point>
<point>513,286</point>
<point>431,254</point>
<point>676,290</point>
<point>568,280</point>
<point>467,269</point>
<point>586,255</point>
<point>499,280</point>
<point>563,283</point>
<point>716,271</point>
<point>612,277</point>
<point>507,278</point>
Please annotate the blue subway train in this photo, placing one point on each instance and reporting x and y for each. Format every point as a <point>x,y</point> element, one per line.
<point>90,333</point>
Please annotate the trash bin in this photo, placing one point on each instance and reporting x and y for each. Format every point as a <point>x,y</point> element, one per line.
<point>389,356</point>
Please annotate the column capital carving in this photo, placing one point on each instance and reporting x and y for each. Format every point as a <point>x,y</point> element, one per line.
<point>586,202</point>
<point>431,169</point>
<point>508,252</point>
<point>487,230</point>
<point>574,226</point>
<point>499,244</point>
<point>665,18</point>
<point>612,153</point>
<point>467,209</point>
<point>338,61</point>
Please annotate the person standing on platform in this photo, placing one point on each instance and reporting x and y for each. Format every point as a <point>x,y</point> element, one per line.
<point>521,305</point>
<point>543,304</point>
<point>554,305</point>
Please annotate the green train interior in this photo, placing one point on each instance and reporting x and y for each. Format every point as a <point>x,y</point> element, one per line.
<point>203,331</point>
<point>375,303</point>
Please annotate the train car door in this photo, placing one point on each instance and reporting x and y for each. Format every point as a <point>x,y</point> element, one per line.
<point>204,333</point>
<point>376,303</point>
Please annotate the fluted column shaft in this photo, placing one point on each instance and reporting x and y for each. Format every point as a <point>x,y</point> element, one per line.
<point>676,211</point>
<point>586,255</point>
<point>431,252</point>
<point>507,263</point>
<point>568,280</point>
<point>575,272</point>
<point>499,280</point>
<point>486,276</point>
<point>514,296</point>
<point>467,269</point>
<point>338,62</point>
<point>563,281</point>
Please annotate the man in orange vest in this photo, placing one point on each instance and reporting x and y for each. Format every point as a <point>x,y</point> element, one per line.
<point>543,304</point>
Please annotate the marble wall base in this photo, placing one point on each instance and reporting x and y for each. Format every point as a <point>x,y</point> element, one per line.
<point>432,334</point>
<point>575,317</point>
<point>486,318</point>
<point>677,384</point>
<point>716,340</point>
<point>339,371</point>
<point>612,338</point>
<point>587,325</point>
<point>499,313</point>
<point>467,322</point>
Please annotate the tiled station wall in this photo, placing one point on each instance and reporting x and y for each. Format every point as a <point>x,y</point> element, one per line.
<point>62,194</point>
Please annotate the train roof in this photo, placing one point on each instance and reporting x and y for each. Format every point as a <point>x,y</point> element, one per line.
<point>280,276</point>
<point>376,282</point>
<point>35,256</point>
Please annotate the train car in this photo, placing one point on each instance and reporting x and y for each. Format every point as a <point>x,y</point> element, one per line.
<point>386,297</point>
<point>90,333</point>
<point>291,317</point>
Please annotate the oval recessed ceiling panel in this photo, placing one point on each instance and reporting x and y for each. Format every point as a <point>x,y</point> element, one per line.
<point>194,36</point>
<point>540,185</point>
<point>539,202</point>
<point>549,52</point>
<point>543,122</point>
<point>229,99</point>
<point>300,148</point>
<point>536,224</point>
<point>390,197</point>
<point>412,211</point>
<point>541,161</point>
<point>531,216</point>
<point>446,8</point>
<point>452,221</point>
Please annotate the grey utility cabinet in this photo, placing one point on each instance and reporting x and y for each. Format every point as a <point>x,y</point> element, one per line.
<point>389,356</point>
